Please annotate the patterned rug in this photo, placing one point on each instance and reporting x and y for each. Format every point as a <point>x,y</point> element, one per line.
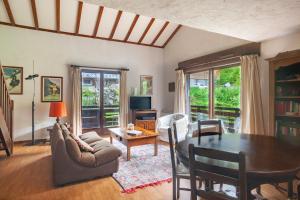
<point>143,169</point>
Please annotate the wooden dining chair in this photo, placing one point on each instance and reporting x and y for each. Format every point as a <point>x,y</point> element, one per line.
<point>179,171</point>
<point>211,122</point>
<point>217,173</point>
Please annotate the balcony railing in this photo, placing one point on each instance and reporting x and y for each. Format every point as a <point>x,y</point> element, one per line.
<point>111,116</point>
<point>91,116</point>
<point>229,116</point>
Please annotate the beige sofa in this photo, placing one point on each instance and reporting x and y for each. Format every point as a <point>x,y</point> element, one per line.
<point>70,164</point>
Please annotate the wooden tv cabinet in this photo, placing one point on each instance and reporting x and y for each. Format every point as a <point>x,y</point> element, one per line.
<point>145,119</point>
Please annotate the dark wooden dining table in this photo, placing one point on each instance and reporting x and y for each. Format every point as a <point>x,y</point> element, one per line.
<point>268,159</point>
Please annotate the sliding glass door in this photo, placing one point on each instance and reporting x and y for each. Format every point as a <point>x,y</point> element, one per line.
<point>199,95</point>
<point>100,92</point>
<point>111,100</point>
<point>215,94</point>
<point>226,92</point>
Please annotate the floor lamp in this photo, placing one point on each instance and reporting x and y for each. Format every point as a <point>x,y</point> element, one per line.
<point>32,77</point>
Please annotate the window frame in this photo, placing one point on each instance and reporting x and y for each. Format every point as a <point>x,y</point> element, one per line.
<point>211,84</point>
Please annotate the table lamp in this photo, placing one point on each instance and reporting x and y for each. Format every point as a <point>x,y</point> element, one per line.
<point>57,109</point>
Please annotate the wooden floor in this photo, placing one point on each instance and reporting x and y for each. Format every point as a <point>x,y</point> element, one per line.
<point>28,175</point>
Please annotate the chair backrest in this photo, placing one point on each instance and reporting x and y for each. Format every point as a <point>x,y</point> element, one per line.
<point>172,151</point>
<point>212,122</point>
<point>201,167</point>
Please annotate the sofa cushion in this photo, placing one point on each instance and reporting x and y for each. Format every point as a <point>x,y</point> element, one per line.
<point>83,146</point>
<point>90,137</point>
<point>105,152</point>
<point>83,158</point>
<point>73,148</point>
<point>56,127</point>
<point>65,131</point>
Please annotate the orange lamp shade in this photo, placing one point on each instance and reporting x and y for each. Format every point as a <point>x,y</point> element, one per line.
<point>57,109</point>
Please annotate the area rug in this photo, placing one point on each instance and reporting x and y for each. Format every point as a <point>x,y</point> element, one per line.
<point>143,169</point>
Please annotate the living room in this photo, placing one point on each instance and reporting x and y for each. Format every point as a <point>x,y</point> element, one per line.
<point>155,50</point>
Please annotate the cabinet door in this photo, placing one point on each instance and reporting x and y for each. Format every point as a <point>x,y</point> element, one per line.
<point>140,124</point>
<point>151,125</point>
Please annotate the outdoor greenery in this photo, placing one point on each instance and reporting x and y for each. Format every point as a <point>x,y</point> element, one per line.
<point>226,91</point>
<point>91,98</point>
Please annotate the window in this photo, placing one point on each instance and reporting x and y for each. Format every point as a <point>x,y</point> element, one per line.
<point>215,93</point>
<point>100,93</point>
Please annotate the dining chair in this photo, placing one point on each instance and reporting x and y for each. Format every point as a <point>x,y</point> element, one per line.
<point>208,165</point>
<point>210,122</point>
<point>179,171</point>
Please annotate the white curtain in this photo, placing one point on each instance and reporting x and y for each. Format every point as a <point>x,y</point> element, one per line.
<point>179,103</point>
<point>76,100</point>
<point>252,121</point>
<point>123,100</point>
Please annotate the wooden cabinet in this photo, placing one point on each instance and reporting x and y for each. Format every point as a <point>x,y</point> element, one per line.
<point>146,124</point>
<point>284,110</point>
<point>145,119</point>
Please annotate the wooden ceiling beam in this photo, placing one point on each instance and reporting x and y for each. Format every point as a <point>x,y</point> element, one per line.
<point>101,8</point>
<point>114,28</point>
<point>79,11</point>
<point>160,32</point>
<point>74,34</point>
<point>171,36</point>
<point>9,13</point>
<point>131,27</point>
<point>57,14</point>
<point>146,30</point>
<point>34,14</point>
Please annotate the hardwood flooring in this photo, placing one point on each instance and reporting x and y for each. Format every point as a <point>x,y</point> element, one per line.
<point>28,175</point>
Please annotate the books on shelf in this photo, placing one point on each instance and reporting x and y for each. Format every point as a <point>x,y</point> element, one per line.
<point>286,107</point>
<point>284,130</point>
<point>287,100</point>
<point>287,91</point>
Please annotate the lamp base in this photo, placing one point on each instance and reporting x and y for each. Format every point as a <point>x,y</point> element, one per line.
<point>57,120</point>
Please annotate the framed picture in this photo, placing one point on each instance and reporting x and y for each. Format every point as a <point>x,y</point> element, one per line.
<point>52,89</point>
<point>172,87</point>
<point>14,79</point>
<point>146,85</point>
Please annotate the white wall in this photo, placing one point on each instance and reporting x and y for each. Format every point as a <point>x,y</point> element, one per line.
<point>53,53</point>
<point>190,43</point>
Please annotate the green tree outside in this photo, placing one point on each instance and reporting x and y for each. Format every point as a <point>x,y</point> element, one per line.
<point>226,91</point>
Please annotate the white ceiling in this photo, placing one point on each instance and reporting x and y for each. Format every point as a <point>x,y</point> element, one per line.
<point>46,14</point>
<point>253,20</point>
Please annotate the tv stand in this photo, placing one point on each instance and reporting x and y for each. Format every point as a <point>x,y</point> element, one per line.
<point>145,119</point>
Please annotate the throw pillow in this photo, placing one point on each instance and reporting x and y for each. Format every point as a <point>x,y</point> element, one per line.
<point>82,144</point>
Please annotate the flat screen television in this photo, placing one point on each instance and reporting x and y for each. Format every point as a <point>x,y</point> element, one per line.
<point>140,102</point>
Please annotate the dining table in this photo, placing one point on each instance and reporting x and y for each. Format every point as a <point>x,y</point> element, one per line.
<point>269,160</point>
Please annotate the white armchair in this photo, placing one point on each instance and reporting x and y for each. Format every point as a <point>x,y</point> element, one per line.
<point>165,122</point>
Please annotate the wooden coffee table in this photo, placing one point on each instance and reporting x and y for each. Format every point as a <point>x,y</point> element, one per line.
<point>147,137</point>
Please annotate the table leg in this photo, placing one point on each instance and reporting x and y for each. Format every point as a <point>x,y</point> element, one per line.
<point>155,147</point>
<point>128,153</point>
